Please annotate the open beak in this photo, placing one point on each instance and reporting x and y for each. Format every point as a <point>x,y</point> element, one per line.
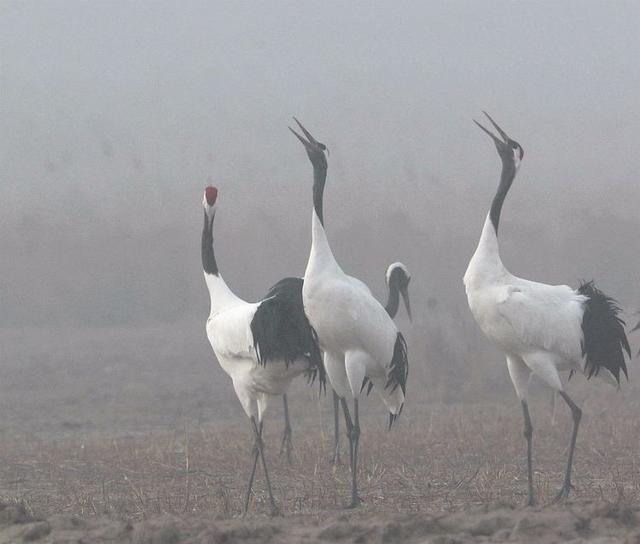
<point>310,141</point>
<point>497,140</point>
<point>505,138</point>
<point>502,133</point>
<point>404,291</point>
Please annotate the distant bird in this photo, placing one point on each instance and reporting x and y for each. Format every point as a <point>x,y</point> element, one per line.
<point>397,279</point>
<point>262,346</point>
<point>358,337</point>
<point>542,329</point>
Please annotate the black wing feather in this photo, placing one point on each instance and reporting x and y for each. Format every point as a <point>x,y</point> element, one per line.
<point>399,366</point>
<point>281,330</point>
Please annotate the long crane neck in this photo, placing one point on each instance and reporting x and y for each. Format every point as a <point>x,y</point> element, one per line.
<point>219,293</point>
<point>393,301</point>
<point>321,255</point>
<point>507,176</point>
<point>319,180</point>
<point>486,265</point>
<point>209,264</point>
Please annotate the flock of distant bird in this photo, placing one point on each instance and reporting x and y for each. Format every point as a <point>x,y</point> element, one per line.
<point>328,324</point>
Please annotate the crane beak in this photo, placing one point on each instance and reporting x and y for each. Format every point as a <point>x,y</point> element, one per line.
<point>503,134</point>
<point>404,291</point>
<point>310,141</point>
<point>497,140</point>
<point>304,142</point>
<point>495,125</point>
<point>505,138</point>
<point>308,135</point>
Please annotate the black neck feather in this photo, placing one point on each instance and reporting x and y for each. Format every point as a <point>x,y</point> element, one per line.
<point>506,179</point>
<point>393,301</point>
<point>208,257</point>
<point>319,179</point>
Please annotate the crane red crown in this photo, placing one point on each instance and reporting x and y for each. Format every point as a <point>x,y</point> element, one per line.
<point>211,194</point>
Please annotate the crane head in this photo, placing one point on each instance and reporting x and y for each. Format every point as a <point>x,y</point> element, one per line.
<point>510,151</point>
<point>210,199</point>
<point>398,277</point>
<point>315,149</point>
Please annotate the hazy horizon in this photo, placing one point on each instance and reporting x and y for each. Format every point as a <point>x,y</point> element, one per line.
<point>115,115</point>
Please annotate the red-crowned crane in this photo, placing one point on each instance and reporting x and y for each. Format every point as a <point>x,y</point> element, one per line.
<point>262,346</point>
<point>358,337</point>
<point>542,329</point>
<point>397,279</point>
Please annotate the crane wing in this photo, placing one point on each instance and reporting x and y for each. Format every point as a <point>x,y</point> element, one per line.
<point>545,317</point>
<point>230,332</point>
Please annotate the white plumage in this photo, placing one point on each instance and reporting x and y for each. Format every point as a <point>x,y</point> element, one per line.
<point>542,329</point>
<point>397,280</point>
<point>541,323</point>
<point>230,332</point>
<point>357,335</point>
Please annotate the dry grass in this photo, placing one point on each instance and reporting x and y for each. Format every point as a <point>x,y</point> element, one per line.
<point>119,424</point>
<point>438,458</point>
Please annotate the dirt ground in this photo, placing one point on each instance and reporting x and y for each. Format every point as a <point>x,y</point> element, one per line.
<point>133,450</point>
<point>576,522</point>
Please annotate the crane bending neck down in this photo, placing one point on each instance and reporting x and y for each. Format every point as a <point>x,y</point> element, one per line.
<point>397,279</point>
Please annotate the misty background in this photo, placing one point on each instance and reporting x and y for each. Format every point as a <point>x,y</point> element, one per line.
<point>115,115</point>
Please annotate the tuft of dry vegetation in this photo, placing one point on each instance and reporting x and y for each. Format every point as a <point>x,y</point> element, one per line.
<point>127,450</point>
<point>442,458</point>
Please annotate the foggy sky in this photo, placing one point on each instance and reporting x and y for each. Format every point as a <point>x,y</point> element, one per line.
<point>115,115</point>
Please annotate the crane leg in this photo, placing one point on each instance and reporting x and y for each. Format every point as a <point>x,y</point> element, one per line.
<point>355,499</point>
<point>576,414</point>
<point>254,455</point>
<point>528,434</point>
<point>336,429</point>
<point>258,451</point>
<point>286,436</point>
<point>353,434</point>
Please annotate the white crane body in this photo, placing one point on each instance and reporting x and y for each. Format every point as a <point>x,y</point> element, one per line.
<point>229,332</point>
<point>542,329</point>
<point>532,320</point>
<point>359,338</point>
<point>353,330</point>
<point>261,346</point>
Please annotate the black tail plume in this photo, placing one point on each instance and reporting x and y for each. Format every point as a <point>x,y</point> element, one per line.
<point>281,330</point>
<point>399,366</point>
<point>605,339</point>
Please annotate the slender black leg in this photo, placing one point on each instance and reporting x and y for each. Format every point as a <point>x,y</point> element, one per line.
<point>528,434</point>
<point>254,455</point>
<point>258,431</point>
<point>576,413</point>
<point>355,499</point>
<point>286,437</point>
<point>348,424</point>
<point>352,434</point>
<point>336,429</point>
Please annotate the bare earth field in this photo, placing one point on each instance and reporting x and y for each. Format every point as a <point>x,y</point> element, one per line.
<point>137,450</point>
